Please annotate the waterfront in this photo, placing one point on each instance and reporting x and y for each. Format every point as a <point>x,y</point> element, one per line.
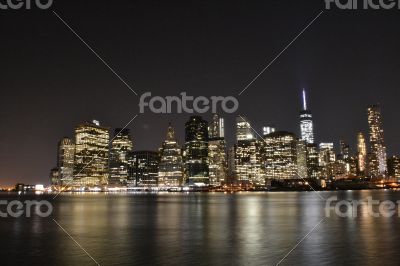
<point>246,228</point>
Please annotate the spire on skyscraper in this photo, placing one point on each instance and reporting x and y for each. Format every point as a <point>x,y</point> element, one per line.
<point>304,100</point>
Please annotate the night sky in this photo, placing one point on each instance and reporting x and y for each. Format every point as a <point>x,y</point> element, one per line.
<point>51,81</point>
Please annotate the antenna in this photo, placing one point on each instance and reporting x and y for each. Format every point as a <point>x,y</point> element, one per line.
<point>304,100</point>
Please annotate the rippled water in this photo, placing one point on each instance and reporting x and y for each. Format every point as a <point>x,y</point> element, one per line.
<point>201,229</point>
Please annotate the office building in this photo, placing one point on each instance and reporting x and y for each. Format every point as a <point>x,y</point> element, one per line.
<point>306,123</point>
<point>195,153</point>
<point>65,161</point>
<point>378,161</point>
<point>361,154</point>
<point>91,155</point>
<point>121,145</point>
<point>170,170</point>
<point>143,168</point>
<point>281,155</point>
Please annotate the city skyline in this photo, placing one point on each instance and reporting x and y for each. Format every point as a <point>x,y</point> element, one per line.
<point>207,53</point>
<point>204,158</point>
<point>255,134</point>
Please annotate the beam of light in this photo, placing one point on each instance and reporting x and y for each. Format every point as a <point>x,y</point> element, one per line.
<point>304,100</point>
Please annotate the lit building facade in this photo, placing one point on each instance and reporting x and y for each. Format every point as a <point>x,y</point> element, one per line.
<point>344,150</point>
<point>121,145</point>
<point>217,127</point>
<point>361,154</point>
<point>268,130</point>
<point>143,168</point>
<point>281,155</point>
<point>302,159</point>
<point>313,167</point>
<point>378,161</point>
<point>217,160</point>
<point>91,155</point>
<point>394,167</point>
<point>65,161</point>
<point>55,179</point>
<point>243,129</point>
<point>249,166</point>
<point>326,154</point>
<point>170,170</point>
<point>306,123</point>
<point>195,153</point>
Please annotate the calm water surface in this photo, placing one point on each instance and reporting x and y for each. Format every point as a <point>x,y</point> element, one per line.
<point>200,229</point>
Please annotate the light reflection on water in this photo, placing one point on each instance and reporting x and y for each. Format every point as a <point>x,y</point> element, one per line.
<point>202,229</point>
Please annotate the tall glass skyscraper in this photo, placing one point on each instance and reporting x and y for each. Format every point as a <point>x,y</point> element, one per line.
<point>217,127</point>
<point>217,157</point>
<point>196,152</point>
<point>361,154</point>
<point>65,161</point>
<point>243,129</point>
<point>378,161</point>
<point>281,155</point>
<point>170,170</point>
<point>120,147</point>
<point>91,155</point>
<point>143,168</point>
<point>306,123</point>
<point>249,166</point>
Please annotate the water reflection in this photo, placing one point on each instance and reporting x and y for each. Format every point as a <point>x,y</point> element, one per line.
<point>203,229</point>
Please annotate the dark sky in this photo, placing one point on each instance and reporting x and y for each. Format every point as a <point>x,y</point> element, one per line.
<point>51,81</point>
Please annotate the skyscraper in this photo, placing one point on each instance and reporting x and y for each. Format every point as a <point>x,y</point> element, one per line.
<point>361,154</point>
<point>65,161</point>
<point>313,168</point>
<point>54,176</point>
<point>243,129</point>
<point>217,157</point>
<point>344,150</point>
<point>249,166</point>
<point>170,170</point>
<point>121,145</point>
<point>91,155</point>
<point>326,154</point>
<point>217,127</point>
<point>196,152</point>
<point>281,155</point>
<point>378,149</point>
<point>306,123</point>
<point>143,168</point>
<point>394,167</point>
<point>301,147</point>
